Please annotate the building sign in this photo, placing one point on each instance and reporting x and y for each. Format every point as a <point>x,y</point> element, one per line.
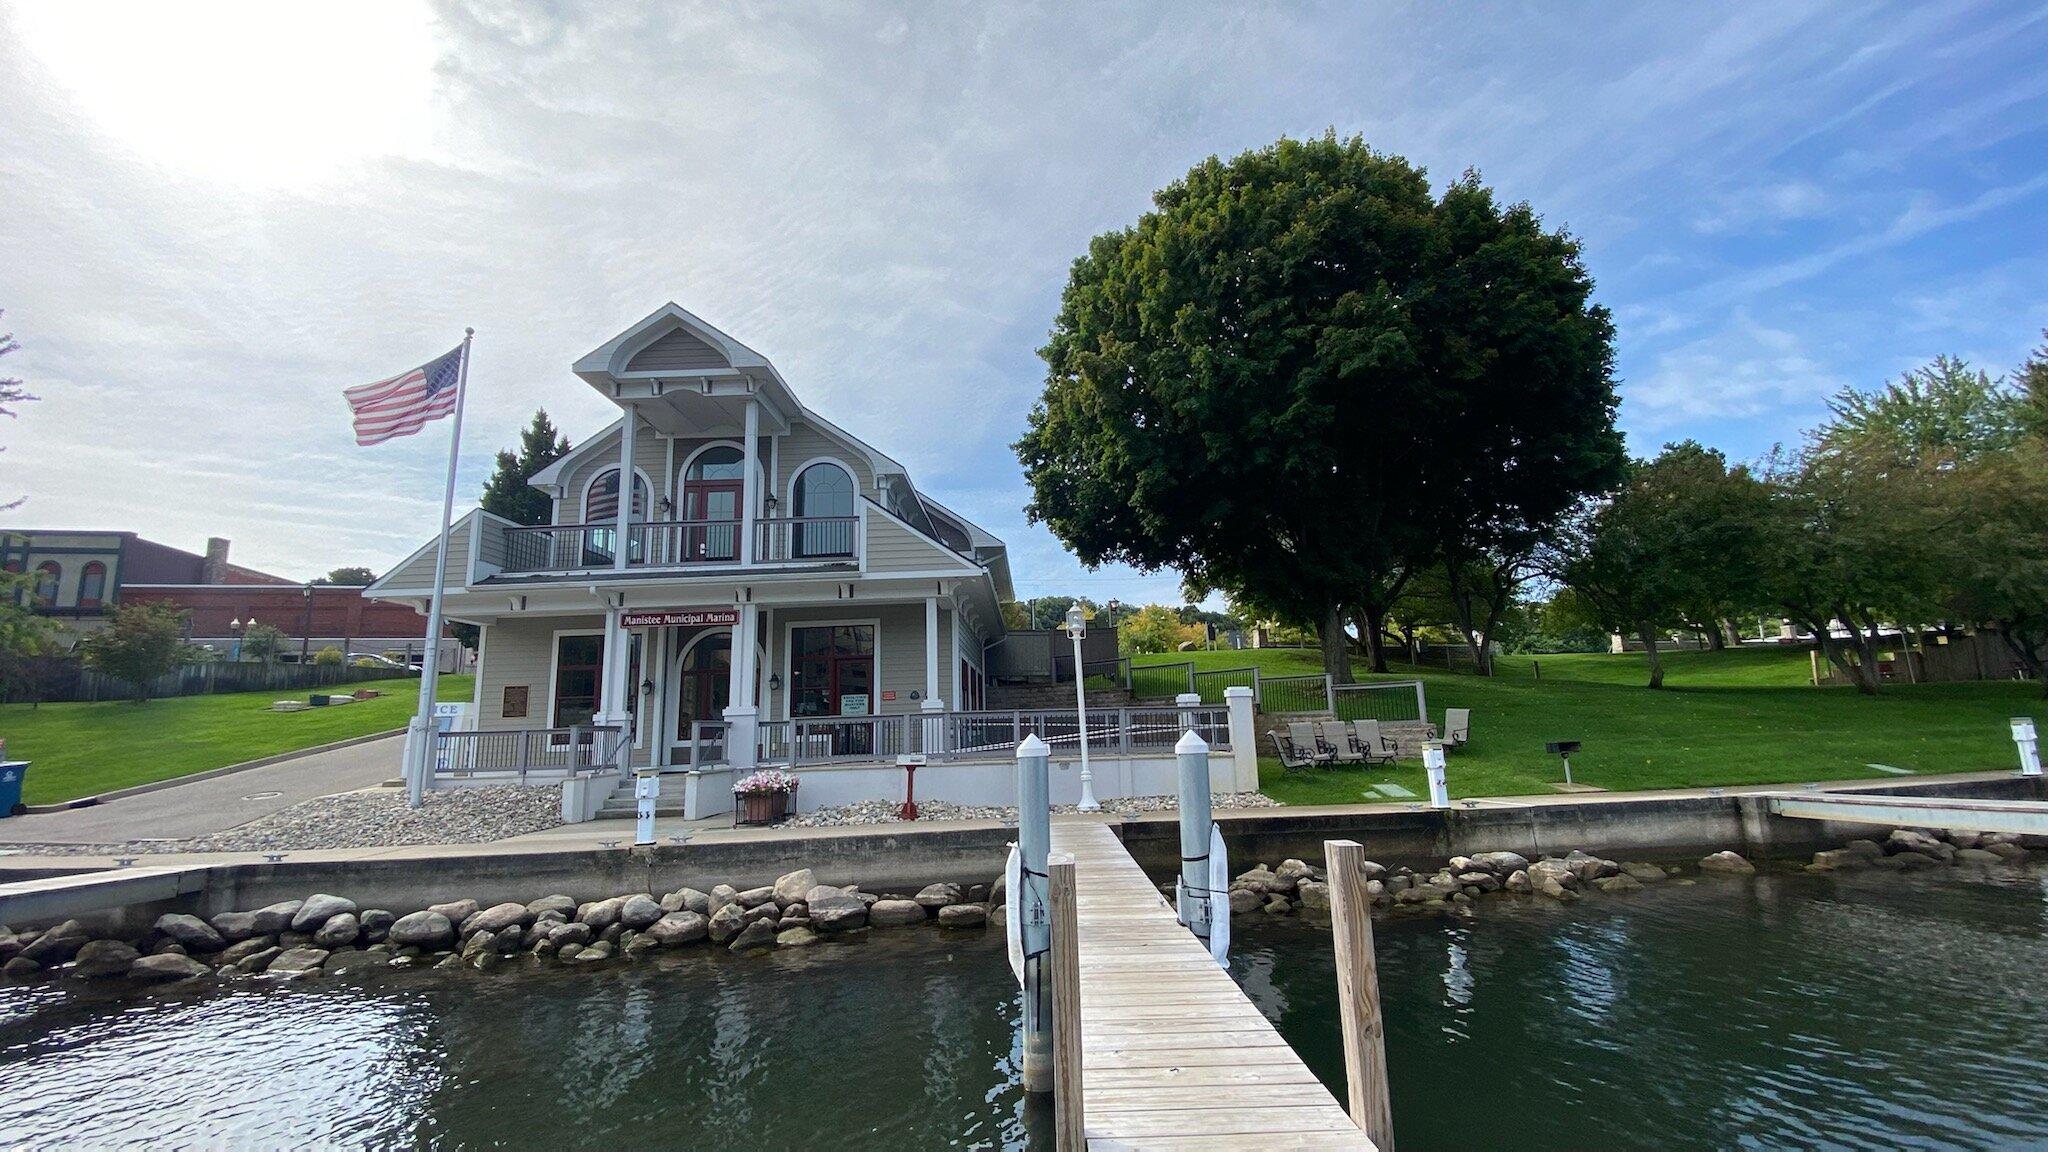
<point>681,618</point>
<point>888,694</point>
<point>515,702</point>
<point>853,704</point>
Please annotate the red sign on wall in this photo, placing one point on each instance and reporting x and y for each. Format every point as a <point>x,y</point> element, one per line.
<point>681,618</point>
<point>888,694</point>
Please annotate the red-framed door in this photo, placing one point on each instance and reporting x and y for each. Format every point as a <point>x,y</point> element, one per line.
<point>713,501</point>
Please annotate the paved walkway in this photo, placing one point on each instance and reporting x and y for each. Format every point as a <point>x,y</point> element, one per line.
<point>214,805</point>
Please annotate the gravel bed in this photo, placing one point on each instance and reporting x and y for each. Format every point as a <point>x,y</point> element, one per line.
<point>884,811</point>
<point>377,818</point>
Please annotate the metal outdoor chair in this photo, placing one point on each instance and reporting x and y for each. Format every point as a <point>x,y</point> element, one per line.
<point>1302,735</point>
<point>1372,745</point>
<point>1293,758</point>
<point>1457,727</point>
<point>1334,736</point>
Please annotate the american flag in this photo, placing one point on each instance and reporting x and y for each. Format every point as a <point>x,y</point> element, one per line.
<point>403,404</point>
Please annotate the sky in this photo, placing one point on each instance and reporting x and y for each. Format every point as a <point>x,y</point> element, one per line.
<point>217,216</point>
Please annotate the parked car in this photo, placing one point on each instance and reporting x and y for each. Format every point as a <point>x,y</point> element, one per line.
<point>372,659</point>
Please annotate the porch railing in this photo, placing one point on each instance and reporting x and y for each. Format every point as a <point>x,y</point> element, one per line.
<point>678,543</point>
<point>520,752</point>
<point>964,735</point>
<point>823,740</point>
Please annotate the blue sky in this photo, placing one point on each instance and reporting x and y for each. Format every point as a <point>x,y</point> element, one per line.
<point>218,218</point>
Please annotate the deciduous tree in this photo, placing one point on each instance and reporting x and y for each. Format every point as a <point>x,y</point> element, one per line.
<point>140,643</point>
<point>1277,380</point>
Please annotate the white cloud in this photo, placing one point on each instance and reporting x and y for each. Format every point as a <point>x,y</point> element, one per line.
<point>1745,369</point>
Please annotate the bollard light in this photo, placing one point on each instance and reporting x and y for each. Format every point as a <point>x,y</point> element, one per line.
<point>1433,763</point>
<point>646,791</point>
<point>2029,745</point>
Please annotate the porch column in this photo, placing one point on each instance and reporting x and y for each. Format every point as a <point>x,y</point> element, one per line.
<point>750,494</point>
<point>612,685</point>
<point>742,715</point>
<point>628,432</point>
<point>932,707</point>
<point>654,649</point>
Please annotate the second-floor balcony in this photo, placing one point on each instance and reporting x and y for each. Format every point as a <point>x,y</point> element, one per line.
<point>807,540</point>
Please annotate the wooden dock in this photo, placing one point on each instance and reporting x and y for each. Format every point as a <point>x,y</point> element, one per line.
<point>1174,1056</point>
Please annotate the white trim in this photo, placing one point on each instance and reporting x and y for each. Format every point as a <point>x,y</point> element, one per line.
<point>476,689</point>
<point>853,482</point>
<point>692,459</point>
<point>673,699</point>
<point>557,469</point>
<point>788,666</point>
<point>423,550</point>
<point>583,501</point>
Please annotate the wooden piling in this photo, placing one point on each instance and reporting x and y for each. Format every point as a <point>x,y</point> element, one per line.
<point>1358,994</point>
<point>1069,1108</point>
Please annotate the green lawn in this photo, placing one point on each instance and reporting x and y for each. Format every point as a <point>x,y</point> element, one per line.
<point>1738,717</point>
<point>84,749</point>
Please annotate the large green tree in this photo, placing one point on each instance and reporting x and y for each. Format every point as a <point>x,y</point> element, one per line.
<point>1682,529</point>
<point>507,492</point>
<point>1297,376</point>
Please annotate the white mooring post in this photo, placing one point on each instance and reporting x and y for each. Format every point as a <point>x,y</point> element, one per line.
<point>2029,745</point>
<point>646,792</point>
<point>1034,843</point>
<point>1193,898</point>
<point>1433,763</point>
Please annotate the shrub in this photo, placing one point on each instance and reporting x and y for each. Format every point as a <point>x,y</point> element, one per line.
<point>329,657</point>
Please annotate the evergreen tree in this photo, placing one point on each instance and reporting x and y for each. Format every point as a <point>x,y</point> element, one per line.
<point>507,493</point>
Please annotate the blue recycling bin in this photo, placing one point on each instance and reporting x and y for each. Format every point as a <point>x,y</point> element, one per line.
<point>12,774</point>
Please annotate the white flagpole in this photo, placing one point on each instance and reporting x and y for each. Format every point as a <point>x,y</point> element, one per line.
<point>421,744</point>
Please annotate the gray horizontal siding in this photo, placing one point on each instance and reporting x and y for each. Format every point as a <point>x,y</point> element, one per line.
<point>894,548</point>
<point>418,573</point>
<point>677,352</point>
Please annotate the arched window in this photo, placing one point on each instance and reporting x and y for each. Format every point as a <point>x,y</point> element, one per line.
<point>601,502</point>
<point>92,584</point>
<point>718,462</point>
<point>823,506</point>
<point>48,575</point>
<point>712,492</point>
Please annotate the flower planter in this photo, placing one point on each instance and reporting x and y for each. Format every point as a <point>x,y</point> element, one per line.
<point>764,807</point>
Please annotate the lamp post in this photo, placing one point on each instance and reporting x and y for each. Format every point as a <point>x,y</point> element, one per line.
<point>1077,627</point>
<point>306,626</point>
<point>235,627</point>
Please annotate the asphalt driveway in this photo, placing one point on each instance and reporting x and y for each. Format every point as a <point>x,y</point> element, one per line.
<point>206,806</point>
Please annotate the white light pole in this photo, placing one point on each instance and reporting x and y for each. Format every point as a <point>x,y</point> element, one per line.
<point>1077,627</point>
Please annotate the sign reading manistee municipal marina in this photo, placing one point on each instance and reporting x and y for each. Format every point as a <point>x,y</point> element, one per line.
<point>680,618</point>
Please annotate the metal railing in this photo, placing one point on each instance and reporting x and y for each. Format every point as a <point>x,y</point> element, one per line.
<point>1281,695</point>
<point>964,735</point>
<point>1162,681</point>
<point>808,538</point>
<point>1210,685</point>
<point>826,739</point>
<point>1390,701</point>
<point>678,543</point>
<point>518,752</point>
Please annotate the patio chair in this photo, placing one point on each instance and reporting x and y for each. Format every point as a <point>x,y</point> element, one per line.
<point>1457,727</point>
<point>1335,738</point>
<point>1371,743</point>
<point>1302,735</point>
<point>1292,758</point>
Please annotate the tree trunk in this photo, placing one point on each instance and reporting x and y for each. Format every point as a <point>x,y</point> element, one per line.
<point>1336,651</point>
<point>1647,633</point>
<point>1717,640</point>
<point>1372,626</point>
<point>2026,647</point>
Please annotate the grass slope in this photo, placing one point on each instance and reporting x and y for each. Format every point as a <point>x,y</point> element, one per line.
<point>84,749</point>
<point>1740,717</point>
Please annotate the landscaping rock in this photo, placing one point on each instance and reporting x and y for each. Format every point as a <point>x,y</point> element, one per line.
<point>429,929</point>
<point>1371,871</point>
<point>1504,863</point>
<point>791,887</point>
<point>234,926</point>
<point>345,959</point>
<point>688,900</point>
<point>1291,873</point>
<point>2006,850</point>
<point>1315,895</point>
<point>1484,881</point>
<point>1727,863</point>
<point>571,933</point>
<point>1588,867</point>
<point>678,928</point>
<point>258,961</point>
<point>195,934</point>
<point>318,909</point>
<point>937,896</point>
<point>1908,840</point>
<point>1243,900</point>
<point>755,897</point>
<point>1837,859</point>
<point>727,922</point>
<point>1642,873</point>
<point>243,949</point>
<point>56,945</point>
<point>99,959</point>
<point>1978,856</point>
<point>274,918</point>
<point>497,918</point>
<point>759,934</point>
<point>564,905</point>
<point>1618,883</point>
<point>599,914</point>
<point>799,937</point>
<point>1864,848</point>
<point>456,910</point>
<point>1518,881</point>
<point>1552,884</point>
<point>1278,905</point>
<point>721,895</point>
<point>1552,869</point>
<point>166,968</point>
<point>833,910</point>
<point>376,924</point>
<point>340,929</point>
<point>963,916</point>
<point>299,960</point>
<point>21,968</point>
<point>639,911</point>
<point>896,913</point>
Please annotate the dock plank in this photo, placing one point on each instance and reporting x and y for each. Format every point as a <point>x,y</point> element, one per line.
<point>1174,1055</point>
